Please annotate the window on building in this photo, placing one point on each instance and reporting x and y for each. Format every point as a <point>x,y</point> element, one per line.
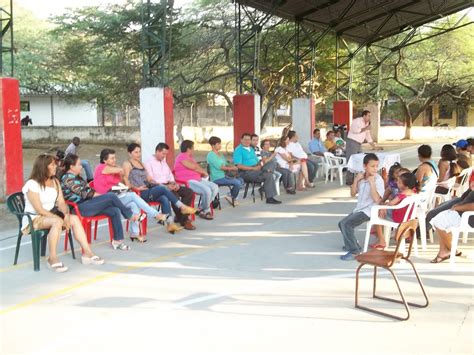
<point>24,106</point>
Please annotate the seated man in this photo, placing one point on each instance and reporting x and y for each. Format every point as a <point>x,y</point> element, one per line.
<point>254,144</point>
<point>158,169</point>
<point>370,187</point>
<point>251,171</point>
<point>269,162</point>
<point>464,159</point>
<point>316,145</point>
<point>340,144</point>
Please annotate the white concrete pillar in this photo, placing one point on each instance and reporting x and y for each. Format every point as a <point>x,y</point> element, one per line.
<point>374,108</point>
<point>302,115</point>
<point>156,121</point>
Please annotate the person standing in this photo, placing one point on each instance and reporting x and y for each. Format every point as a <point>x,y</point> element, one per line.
<point>359,132</point>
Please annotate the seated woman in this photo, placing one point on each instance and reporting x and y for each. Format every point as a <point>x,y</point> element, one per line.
<point>106,175</point>
<point>222,172</point>
<point>42,195</point>
<point>444,221</point>
<point>427,172</point>
<point>92,203</point>
<point>448,167</point>
<point>287,166</point>
<point>188,170</point>
<point>330,142</point>
<point>135,176</point>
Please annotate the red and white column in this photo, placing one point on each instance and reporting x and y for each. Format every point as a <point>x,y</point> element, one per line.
<point>156,121</point>
<point>302,115</point>
<point>11,151</point>
<point>247,116</point>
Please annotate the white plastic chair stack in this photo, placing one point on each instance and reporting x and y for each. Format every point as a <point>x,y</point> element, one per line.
<point>463,228</point>
<point>411,202</point>
<point>334,164</point>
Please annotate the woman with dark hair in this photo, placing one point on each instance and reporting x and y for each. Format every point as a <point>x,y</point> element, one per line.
<point>44,201</point>
<point>287,165</point>
<point>448,167</point>
<point>427,172</point>
<point>188,170</point>
<point>222,172</point>
<point>107,174</point>
<point>135,176</point>
<point>92,203</point>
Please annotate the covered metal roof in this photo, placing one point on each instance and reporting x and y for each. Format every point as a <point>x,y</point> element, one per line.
<point>363,21</point>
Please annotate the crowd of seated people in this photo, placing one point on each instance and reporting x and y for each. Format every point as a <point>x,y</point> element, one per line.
<point>125,191</point>
<point>428,177</point>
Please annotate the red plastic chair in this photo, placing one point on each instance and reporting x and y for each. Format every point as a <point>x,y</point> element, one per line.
<point>87,224</point>
<point>144,223</point>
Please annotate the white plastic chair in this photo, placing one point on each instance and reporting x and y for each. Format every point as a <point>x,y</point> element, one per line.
<point>334,164</point>
<point>411,202</point>
<point>424,206</point>
<point>463,228</point>
<point>449,184</point>
<point>463,185</point>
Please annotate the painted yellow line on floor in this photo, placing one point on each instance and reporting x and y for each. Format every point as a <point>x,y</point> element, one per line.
<point>123,270</point>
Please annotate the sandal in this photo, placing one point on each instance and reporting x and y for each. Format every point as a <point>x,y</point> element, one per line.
<point>173,227</point>
<point>439,259</point>
<point>94,260</point>
<point>119,245</point>
<point>205,215</point>
<point>138,238</point>
<point>230,200</point>
<point>57,267</point>
<point>458,253</point>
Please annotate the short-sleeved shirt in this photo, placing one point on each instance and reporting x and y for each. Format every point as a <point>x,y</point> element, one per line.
<point>364,200</point>
<point>316,145</point>
<point>297,150</point>
<point>181,172</point>
<point>75,188</point>
<point>104,182</point>
<point>245,156</point>
<point>71,149</point>
<point>159,170</point>
<point>48,196</point>
<point>330,145</point>
<point>355,131</point>
<point>215,162</point>
<point>282,162</point>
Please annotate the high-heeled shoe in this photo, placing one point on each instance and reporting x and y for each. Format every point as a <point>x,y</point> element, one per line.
<point>161,218</point>
<point>173,228</point>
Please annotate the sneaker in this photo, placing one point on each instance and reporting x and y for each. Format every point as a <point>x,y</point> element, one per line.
<point>348,256</point>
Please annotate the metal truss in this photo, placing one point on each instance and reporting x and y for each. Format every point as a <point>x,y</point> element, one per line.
<point>249,24</point>
<point>156,42</point>
<point>344,69</point>
<point>6,41</point>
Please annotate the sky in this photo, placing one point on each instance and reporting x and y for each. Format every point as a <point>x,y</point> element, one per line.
<point>45,8</point>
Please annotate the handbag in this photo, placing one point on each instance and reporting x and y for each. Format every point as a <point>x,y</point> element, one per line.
<point>55,210</point>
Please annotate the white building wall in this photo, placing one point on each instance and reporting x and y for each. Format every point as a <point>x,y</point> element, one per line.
<point>65,113</point>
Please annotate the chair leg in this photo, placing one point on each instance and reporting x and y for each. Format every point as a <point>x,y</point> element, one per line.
<point>66,239</point>
<point>427,302</point>
<point>36,245</point>
<point>17,250</point>
<point>95,229</point>
<point>43,246</point>
<point>246,190</point>
<point>464,237</point>
<point>71,242</point>
<point>367,237</point>
<point>422,225</point>
<point>253,192</point>
<point>111,230</point>
<point>340,177</point>
<point>374,295</point>
<point>454,245</point>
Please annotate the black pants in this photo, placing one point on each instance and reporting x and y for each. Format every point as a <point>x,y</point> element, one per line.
<point>260,176</point>
<point>185,194</point>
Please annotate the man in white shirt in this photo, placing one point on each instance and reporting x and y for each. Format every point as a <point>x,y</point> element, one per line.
<point>359,132</point>
<point>295,148</point>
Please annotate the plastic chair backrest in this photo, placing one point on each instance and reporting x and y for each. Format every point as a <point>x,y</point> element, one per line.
<point>411,202</point>
<point>327,158</point>
<point>16,204</point>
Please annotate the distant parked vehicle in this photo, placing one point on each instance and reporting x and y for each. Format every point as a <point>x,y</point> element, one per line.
<point>391,122</point>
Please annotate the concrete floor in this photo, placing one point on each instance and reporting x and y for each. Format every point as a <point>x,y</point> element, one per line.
<point>257,280</point>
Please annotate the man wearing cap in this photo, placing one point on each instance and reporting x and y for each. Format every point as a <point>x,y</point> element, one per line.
<point>463,156</point>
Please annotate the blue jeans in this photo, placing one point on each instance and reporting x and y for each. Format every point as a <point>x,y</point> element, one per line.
<point>87,169</point>
<point>136,203</point>
<point>207,190</point>
<point>162,195</point>
<point>347,226</point>
<point>109,205</point>
<point>234,183</point>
